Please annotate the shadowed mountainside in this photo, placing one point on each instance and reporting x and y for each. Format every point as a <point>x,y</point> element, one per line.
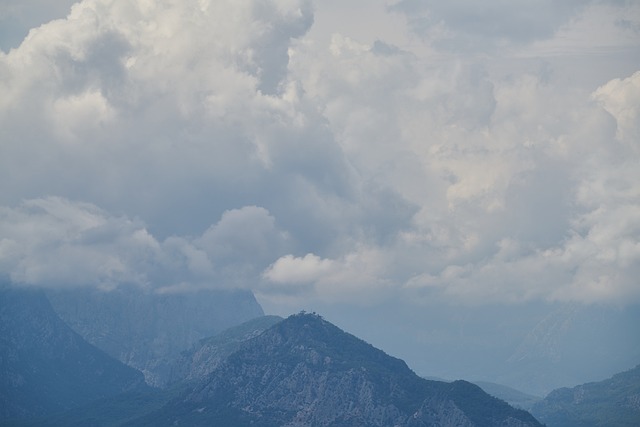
<point>147,330</point>
<point>45,366</point>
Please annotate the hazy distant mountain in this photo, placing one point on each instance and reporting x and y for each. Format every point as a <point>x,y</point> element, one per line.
<point>572,345</point>
<point>513,397</point>
<point>146,330</point>
<point>614,402</point>
<point>45,366</point>
<point>304,371</point>
<point>199,361</point>
<point>533,347</point>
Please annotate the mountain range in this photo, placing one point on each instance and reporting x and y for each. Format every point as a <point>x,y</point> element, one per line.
<point>299,371</point>
<point>238,367</point>
<point>304,371</point>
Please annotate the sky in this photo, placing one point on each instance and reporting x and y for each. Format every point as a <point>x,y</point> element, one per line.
<point>380,155</point>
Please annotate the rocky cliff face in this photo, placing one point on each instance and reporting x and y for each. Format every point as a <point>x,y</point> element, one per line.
<point>146,330</point>
<point>46,367</point>
<point>304,371</point>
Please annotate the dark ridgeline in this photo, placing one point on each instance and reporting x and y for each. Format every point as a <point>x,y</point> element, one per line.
<point>304,371</point>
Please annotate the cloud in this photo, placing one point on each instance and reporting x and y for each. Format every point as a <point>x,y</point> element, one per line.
<point>468,25</point>
<point>561,222</point>
<point>621,99</point>
<point>18,17</point>
<point>490,163</point>
<point>206,114</point>
<point>242,244</point>
<point>356,276</point>
<point>233,143</point>
<point>55,242</point>
<point>292,270</point>
<point>249,232</point>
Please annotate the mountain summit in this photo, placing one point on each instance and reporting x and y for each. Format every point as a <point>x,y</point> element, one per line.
<point>304,371</point>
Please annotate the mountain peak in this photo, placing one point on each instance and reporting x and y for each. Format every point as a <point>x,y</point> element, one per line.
<point>306,371</point>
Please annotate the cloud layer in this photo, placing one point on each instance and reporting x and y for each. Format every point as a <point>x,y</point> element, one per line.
<point>455,158</point>
<point>54,242</point>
